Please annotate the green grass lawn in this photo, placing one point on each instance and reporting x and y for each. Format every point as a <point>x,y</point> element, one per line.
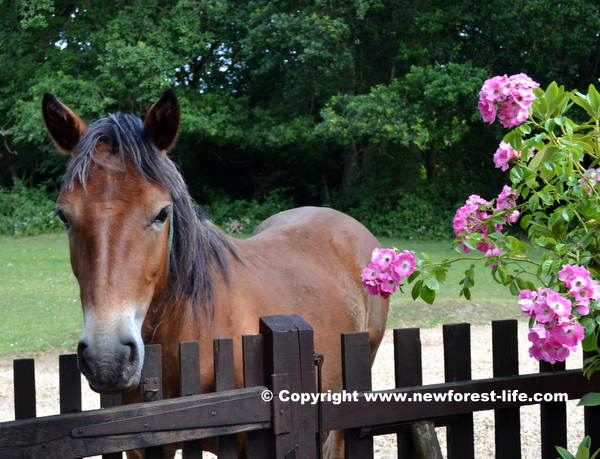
<point>39,296</point>
<point>489,300</point>
<point>40,307</point>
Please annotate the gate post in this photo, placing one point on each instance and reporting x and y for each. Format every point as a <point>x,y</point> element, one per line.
<point>289,368</point>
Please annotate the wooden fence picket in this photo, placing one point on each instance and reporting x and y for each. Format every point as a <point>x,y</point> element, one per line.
<point>225,380</point>
<point>257,442</point>
<point>408,372</point>
<point>457,367</point>
<point>356,372</point>
<point>190,384</point>
<point>505,358</point>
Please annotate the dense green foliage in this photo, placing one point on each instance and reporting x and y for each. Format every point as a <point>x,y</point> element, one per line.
<point>239,216</point>
<point>27,212</point>
<point>330,100</point>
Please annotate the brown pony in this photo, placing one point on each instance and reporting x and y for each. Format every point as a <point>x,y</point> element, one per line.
<point>153,269</point>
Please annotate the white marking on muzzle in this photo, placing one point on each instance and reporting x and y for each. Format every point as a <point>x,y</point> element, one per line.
<point>111,350</point>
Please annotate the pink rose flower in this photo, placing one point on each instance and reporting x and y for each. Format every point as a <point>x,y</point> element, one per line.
<point>589,180</point>
<point>505,153</point>
<point>507,97</point>
<point>507,198</point>
<point>386,270</point>
<point>405,264</point>
<point>557,332</point>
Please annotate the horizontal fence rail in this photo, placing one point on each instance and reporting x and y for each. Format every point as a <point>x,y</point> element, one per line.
<point>137,426</point>
<point>413,404</point>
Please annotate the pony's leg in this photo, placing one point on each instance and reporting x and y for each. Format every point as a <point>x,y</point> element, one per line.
<point>333,448</point>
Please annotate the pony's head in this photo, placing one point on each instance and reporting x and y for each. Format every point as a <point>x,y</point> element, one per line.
<point>116,203</point>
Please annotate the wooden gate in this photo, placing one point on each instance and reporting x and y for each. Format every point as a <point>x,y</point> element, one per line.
<point>273,430</point>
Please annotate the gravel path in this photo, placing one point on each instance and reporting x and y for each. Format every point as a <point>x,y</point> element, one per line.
<point>383,378</point>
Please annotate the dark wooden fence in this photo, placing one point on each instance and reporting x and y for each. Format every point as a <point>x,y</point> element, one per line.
<point>281,359</point>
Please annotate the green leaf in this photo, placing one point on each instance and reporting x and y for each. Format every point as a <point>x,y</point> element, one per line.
<point>546,197</point>
<point>591,399</point>
<point>428,295</point>
<point>516,174</point>
<point>594,99</point>
<point>413,276</point>
<point>416,290</point>
<point>590,342</point>
<point>586,442</point>
<point>525,129</point>
<point>590,366</point>
<point>542,156</point>
<point>432,283</point>
<point>564,454</point>
<point>582,453</point>
<point>470,243</point>
<point>466,292</point>
<point>549,125</point>
<point>560,121</point>
<point>551,93</point>
<point>534,203</point>
<point>440,275</point>
<point>514,288</point>
<point>502,273</point>
<point>524,284</point>
<point>468,281</point>
<point>546,267</point>
<point>427,258</point>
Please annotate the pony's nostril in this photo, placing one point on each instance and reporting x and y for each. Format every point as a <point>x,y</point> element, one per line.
<point>81,358</point>
<point>130,353</point>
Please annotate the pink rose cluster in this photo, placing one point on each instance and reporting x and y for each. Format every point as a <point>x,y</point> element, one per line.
<point>589,180</point>
<point>386,271</point>
<point>557,332</point>
<point>505,153</point>
<point>507,97</point>
<point>471,218</point>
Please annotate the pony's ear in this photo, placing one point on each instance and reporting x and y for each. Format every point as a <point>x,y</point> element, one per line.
<point>162,121</point>
<point>64,126</point>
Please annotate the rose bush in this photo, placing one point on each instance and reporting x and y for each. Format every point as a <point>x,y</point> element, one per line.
<point>553,160</point>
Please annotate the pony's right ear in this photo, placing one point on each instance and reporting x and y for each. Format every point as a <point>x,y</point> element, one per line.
<point>64,126</point>
<point>163,120</point>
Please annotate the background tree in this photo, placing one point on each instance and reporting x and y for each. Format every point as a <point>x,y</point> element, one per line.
<point>330,100</point>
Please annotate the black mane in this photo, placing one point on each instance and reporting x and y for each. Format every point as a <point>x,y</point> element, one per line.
<point>198,247</point>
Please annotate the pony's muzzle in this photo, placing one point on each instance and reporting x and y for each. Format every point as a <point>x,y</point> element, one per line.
<point>111,369</point>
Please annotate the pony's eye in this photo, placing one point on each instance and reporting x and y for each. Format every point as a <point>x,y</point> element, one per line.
<point>162,215</point>
<point>63,219</point>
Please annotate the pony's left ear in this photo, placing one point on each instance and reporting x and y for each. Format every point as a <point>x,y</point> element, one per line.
<point>64,126</point>
<point>162,121</point>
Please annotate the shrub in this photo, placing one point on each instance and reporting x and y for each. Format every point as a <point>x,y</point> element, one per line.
<point>424,212</point>
<point>27,212</point>
<point>240,216</point>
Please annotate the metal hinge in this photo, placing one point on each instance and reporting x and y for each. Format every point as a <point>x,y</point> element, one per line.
<point>150,389</point>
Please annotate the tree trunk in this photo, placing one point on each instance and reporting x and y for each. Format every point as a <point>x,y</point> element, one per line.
<point>324,188</point>
<point>431,162</point>
<point>429,157</point>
